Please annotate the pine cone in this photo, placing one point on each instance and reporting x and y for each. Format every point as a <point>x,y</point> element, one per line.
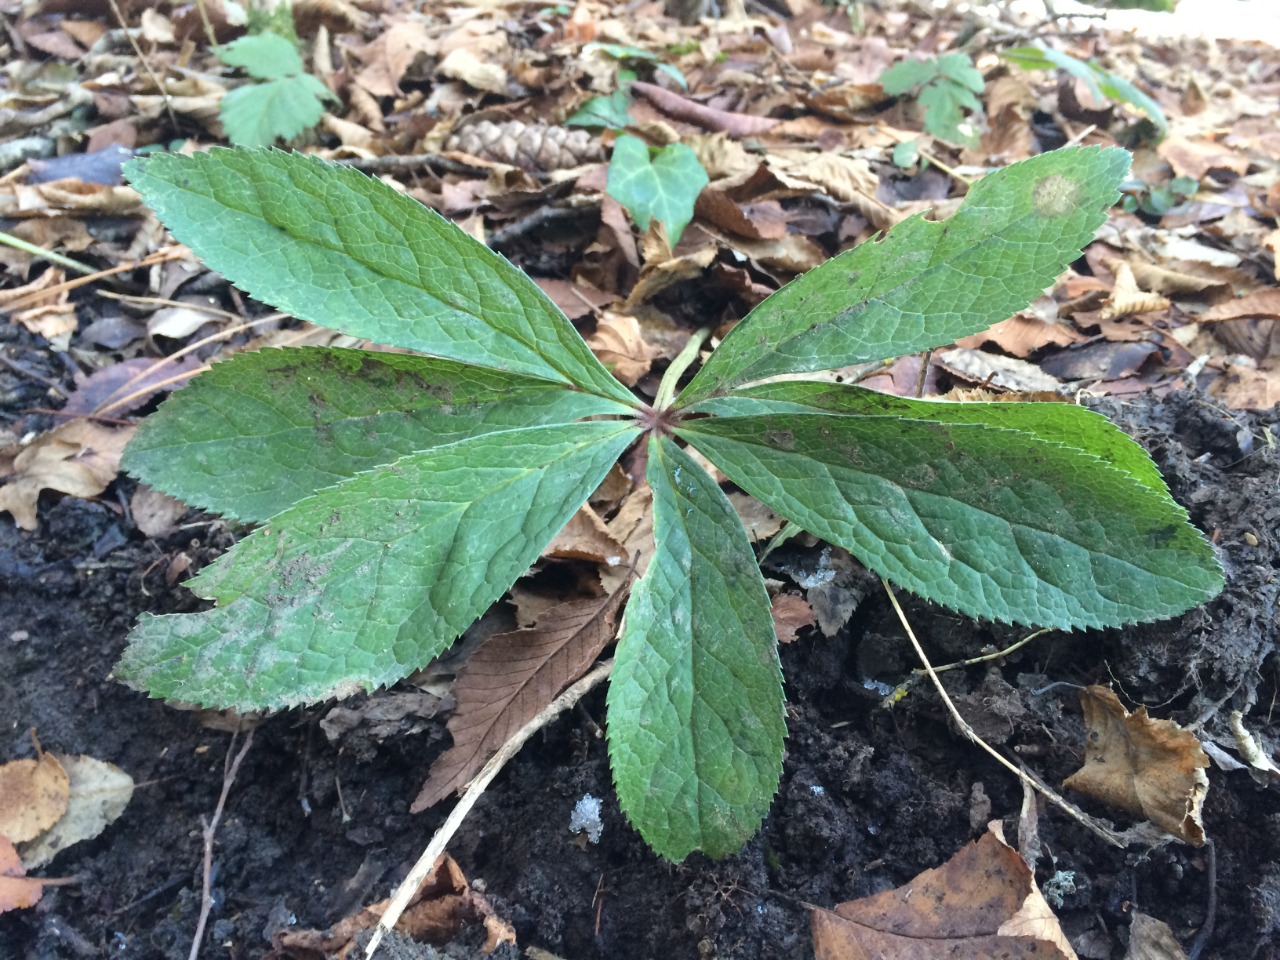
<point>535,147</point>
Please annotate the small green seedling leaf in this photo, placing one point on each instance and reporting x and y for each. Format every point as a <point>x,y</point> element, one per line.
<point>926,284</point>
<point>286,102</point>
<point>611,112</point>
<point>262,431</point>
<point>994,522</point>
<point>906,154</point>
<point>1101,83</point>
<point>945,87</point>
<point>626,52</point>
<point>663,188</point>
<point>264,56</point>
<point>330,245</point>
<point>363,582</point>
<point>695,702</point>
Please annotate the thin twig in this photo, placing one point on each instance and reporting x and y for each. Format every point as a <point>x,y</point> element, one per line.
<point>210,829</point>
<point>32,375</point>
<point>920,671</point>
<point>133,42</point>
<point>1078,815</point>
<point>435,849</point>
<point>1211,908</point>
<point>38,296</point>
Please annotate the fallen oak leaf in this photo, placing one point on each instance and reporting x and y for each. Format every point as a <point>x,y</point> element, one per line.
<point>1150,768</point>
<point>981,903</point>
<point>512,677</point>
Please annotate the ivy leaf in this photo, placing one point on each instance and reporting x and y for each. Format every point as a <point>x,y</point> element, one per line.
<point>925,284</point>
<point>992,522</point>
<point>330,245</point>
<point>664,188</point>
<point>695,720</point>
<point>1062,423</point>
<point>361,583</point>
<point>263,430</point>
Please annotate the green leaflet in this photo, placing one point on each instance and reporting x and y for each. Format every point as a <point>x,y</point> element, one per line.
<point>1061,423</point>
<point>361,583</point>
<point>695,720</point>
<point>992,522</point>
<point>925,283</point>
<point>263,430</point>
<point>328,244</point>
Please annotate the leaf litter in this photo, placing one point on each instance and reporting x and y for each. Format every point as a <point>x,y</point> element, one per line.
<point>1189,285</point>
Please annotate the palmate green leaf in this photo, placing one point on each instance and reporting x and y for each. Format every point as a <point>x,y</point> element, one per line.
<point>340,249</point>
<point>695,720</point>
<point>361,583</point>
<point>1062,423</point>
<point>263,430</point>
<point>926,284</point>
<point>992,522</point>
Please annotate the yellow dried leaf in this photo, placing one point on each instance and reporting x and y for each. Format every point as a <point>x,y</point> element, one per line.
<point>33,796</point>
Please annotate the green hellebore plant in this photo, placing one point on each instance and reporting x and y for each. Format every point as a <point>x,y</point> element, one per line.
<point>401,495</point>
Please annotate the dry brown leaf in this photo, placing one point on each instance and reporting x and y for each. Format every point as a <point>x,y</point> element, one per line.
<point>154,513</point>
<point>1150,768</point>
<point>17,890</point>
<point>632,526</point>
<point>388,58</point>
<point>994,370</point>
<point>33,796</point>
<point>482,73</point>
<point>1247,388</point>
<point>1026,333</point>
<point>981,903</point>
<point>760,522</point>
<point>99,793</point>
<point>620,346</point>
<point>509,679</point>
<point>791,614</point>
<point>585,537</point>
<point>656,277</point>
<point>442,905</point>
<point>1151,939</point>
<point>80,458</point>
<point>1258,305</point>
<point>1195,158</point>
<point>1127,299</point>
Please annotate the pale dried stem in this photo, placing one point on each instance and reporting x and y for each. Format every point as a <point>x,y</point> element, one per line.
<point>1110,836</point>
<point>435,849</point>
<point>209,831</point>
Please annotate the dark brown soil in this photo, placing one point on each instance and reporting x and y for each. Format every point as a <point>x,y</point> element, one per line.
<point>869,797</point>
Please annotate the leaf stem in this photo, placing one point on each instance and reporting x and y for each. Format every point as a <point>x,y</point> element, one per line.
<point>667,388</point>
<point>18,243</point>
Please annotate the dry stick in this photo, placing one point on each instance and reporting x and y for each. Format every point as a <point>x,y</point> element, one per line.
<point>210,829</point>
<point>103,408</point>
<point>133,42</point>
<point>427,862</point>
<point>36,296</point>
<point>1079,815</point>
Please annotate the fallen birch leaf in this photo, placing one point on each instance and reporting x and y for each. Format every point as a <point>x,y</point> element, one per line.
<point>99,793</point>
<point>1150,768</point>
<point>33,796</point>
<point>17,890</point>
<point>79,458</point>
<point>982,903</point>
<point>509,679</point>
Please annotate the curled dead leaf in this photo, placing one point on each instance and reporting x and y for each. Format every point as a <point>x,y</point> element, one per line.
<point>79,458</point>
<point>981,903</point>
<point>620,346</point>
<point>1150,768</point>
